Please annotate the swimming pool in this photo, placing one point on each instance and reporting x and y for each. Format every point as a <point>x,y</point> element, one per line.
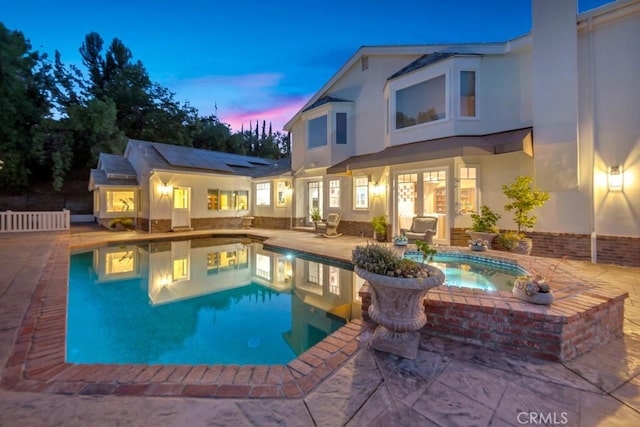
<point>201,301</point>
<point>471,271</point>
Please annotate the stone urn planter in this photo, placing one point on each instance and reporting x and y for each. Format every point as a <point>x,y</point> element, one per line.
<point>481,236</point>
<point>397,308</point>
<point>533,290</point>
<point>247,222</point>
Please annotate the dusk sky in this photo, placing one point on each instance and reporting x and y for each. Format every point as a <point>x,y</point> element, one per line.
<point>258,59</point>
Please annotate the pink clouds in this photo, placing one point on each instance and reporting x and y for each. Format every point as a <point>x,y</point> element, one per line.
<point>240,99</point>
<point>278,115</point>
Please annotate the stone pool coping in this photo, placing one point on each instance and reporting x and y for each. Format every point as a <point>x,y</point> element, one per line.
<point>37,361</point>
<point>37,364</point>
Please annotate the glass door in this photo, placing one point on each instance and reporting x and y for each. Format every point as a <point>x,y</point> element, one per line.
<point>434,200</point>
<point>407,195</point>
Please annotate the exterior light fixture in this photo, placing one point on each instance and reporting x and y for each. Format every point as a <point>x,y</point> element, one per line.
<point>615,178</point>
<point>164,188</point>
<point>376,190</point>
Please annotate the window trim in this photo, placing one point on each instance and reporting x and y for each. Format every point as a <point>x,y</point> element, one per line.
<point>268,192</point>
<point>459,115</point>
<point>394,107</point>
<point>459,189</point>
<point>338,188</point>
<point>355,192</point>
<point>324,115</point>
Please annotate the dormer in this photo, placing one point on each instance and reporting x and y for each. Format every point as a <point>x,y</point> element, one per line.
<point>329,135</point>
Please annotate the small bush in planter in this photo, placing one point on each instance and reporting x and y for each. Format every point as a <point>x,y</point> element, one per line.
<point>315,214</point>
<point>379,224</point>
<point>380,259</point>
<point>121,223</point>
<point>523,199</point>
<point>485,221</point>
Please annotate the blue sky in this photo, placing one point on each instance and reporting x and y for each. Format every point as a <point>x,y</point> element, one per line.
<point>258,59</point>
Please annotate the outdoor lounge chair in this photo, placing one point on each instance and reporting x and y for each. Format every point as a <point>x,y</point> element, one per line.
<point>329,228</point>
<point>422,228</point>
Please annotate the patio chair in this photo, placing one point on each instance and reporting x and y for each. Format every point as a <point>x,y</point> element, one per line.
<point>422,228</point>
<point>329,227</point>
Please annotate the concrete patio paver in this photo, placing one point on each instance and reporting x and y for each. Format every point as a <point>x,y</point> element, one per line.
<point>450,383</point>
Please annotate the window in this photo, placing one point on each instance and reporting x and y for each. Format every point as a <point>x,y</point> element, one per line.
<point>421,103</point>
<point>361,192</point>
<point>181,198</point>
<point>227,200</point>
<point>334,193</point>
<point>263,266</point>
<point>120,262</point>
<point>334,280</point>
<point>315,273</point>
<point>341,128</point>
<point>467,94</point>
<point>121,201</point>
<point>317,132</point>
<point>263,194</point>
<point>468,189</point>
<point>281,198</point>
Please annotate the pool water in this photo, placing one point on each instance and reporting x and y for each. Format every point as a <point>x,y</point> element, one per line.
<point>195,302</point>
<point>470,271</point>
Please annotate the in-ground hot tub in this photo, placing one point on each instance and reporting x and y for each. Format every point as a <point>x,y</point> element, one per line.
<point>584,315</point>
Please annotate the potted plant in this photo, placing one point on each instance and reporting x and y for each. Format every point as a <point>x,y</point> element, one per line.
<point>400,240</point>
<point>533,288</point>
<point>316,217</point>
<point>380,224</point>
<point>478,245</point>
<point>426,250</point>
<point>398,287</point>
<point>523,199</point>
<point>121,224</point>
<point>483,225</point>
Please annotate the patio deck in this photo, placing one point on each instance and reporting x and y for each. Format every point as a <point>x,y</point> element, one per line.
<point>449,383</point>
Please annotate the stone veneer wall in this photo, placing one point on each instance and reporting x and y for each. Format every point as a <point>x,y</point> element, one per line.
<point>274,223</point>
<point>610,249</point>
<point>567,330</point>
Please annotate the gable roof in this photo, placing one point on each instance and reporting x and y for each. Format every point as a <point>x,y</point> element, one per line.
<point>116,166</point>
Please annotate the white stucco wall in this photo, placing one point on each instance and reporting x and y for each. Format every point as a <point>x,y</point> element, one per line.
<point>612,55</point>
<point>161,205</point>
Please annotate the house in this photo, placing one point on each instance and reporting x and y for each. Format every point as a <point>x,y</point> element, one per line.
<point>438,129</point>
<point>166,187</point>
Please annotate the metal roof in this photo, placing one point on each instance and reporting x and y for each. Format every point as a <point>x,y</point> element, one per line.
<point>423,61</point>
<point>116,166</point>
<point>324,100</point>
<point>99,178</point>
<point>441,148</point>
<point>177,157</point>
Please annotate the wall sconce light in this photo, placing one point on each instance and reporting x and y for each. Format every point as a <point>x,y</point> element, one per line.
<point>376,190</point>
<point>615,178</point>
<point>165,189</point>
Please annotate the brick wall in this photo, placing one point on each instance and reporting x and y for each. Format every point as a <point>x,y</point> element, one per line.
<point>216,223</point>
<point>568,329</point>
<point>274,223</point>
<point>610,249</point>
<point>618,250</point>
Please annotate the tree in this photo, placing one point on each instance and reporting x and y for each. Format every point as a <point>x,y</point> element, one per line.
<point>25,82</point>
<point>523,199</point>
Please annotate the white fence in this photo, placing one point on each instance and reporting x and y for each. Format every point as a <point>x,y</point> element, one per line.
<point>12,222</point>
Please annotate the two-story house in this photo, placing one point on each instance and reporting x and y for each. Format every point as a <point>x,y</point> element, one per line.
<point>438,129</point>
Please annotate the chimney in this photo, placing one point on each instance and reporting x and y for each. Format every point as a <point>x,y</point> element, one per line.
<point>555,93</point>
